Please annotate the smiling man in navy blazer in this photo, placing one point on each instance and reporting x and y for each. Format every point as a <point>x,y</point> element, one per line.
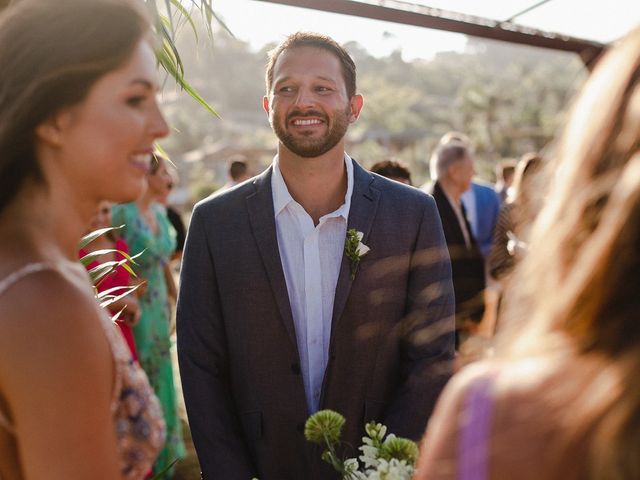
<point>272,323</point>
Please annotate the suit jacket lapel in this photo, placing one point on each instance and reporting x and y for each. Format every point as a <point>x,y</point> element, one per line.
<point>364,203</point>
<point>263,225</point>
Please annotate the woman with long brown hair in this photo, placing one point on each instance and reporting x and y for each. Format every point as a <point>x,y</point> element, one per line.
<point>562,401</point>
<point>78,120</point>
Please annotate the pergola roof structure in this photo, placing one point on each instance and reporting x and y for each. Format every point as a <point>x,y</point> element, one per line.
<point>415,14</point>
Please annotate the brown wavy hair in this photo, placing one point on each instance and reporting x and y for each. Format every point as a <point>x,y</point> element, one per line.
<point>51,53</point>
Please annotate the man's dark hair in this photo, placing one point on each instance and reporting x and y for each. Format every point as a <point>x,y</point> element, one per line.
<point>237,169</point>
<point>392,169</point>
<point>316,40</point>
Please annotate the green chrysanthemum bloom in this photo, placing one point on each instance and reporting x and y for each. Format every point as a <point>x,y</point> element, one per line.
<point>325,425</point>
<point>399,448</point>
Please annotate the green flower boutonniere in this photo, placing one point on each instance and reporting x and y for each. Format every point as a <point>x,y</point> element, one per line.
<point>354,249</point>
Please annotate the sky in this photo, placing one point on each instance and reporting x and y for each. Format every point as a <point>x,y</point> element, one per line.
<point>258,23</point>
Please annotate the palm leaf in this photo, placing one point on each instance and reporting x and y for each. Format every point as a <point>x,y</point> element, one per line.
<point>162,152</point>
<point>160,475</point>
<point>106,300</point>
<point>99,272</point>
<point>91,256</point>
<point>167,4</point>
<point>184,14</point>
<point>168,56</point>
<point>90,237</point>
<point>169,64</point>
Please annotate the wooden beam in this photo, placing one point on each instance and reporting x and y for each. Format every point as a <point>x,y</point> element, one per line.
<point>421,16</point>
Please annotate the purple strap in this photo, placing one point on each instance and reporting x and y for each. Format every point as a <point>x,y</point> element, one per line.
<point>473,449</point>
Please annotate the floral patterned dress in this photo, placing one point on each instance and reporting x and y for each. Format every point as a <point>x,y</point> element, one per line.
<point>152,333</point>
<point>136,413</point>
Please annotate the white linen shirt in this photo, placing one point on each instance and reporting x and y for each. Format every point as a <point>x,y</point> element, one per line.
<point>311,257</point>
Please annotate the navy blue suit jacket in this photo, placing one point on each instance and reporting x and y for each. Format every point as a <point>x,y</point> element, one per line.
<point>391,346</point>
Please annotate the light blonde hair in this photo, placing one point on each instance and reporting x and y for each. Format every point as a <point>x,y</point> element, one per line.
<point>581,277</point>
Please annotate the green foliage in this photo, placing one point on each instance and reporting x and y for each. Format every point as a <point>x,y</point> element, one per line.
<point>99,272</point>
<point>390,458</point>
<point>161,475</point>
<point>90,237</point>
<point>102,270</point>
<point>166,25</point>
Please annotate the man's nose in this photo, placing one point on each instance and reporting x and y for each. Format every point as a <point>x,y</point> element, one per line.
<point>305,98</point>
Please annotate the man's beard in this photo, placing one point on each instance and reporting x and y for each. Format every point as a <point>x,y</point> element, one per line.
<point>313,147</point>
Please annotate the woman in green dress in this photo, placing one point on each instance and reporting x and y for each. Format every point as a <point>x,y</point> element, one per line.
<point>148,230</point>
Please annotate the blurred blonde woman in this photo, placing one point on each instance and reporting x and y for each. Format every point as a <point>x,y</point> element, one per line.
<point>78,119</point>
<point>563,399</point>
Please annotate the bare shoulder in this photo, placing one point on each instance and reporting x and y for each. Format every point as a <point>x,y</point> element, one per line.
<point>32,301</point>
<point>458,387</point>
<point>50,326</point>
<point>56,361</point>
<point>438,450</point>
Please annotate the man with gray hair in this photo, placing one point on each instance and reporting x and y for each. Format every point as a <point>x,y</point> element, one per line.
<point>452,168</point>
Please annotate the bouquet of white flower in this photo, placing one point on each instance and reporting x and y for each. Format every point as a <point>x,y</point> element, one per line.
<point>390,458</point>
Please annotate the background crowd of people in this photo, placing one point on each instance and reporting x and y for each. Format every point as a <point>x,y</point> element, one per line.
<point>544,268</point>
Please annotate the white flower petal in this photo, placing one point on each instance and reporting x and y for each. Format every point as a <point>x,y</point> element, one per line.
<point>362,249</point>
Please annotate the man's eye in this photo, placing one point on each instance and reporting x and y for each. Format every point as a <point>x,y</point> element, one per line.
<point>286,89</point>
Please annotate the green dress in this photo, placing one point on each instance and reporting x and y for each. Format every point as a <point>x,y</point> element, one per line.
<point>152,333</point>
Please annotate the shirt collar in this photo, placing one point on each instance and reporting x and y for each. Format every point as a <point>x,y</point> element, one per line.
<point>282,197</point>
<point>455,205</point>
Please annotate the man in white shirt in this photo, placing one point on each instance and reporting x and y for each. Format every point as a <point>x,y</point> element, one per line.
<point>276,320</point>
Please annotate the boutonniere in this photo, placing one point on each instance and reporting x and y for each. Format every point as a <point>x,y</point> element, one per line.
<point>354,249</point>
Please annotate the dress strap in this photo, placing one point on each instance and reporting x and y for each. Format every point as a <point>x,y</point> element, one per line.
<point>473,447</point>
<point>25,271</point>
<point>5,283</point>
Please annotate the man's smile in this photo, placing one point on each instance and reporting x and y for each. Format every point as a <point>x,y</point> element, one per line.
<point>305,122</point>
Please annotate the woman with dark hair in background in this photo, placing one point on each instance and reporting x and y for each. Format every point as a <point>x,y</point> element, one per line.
<point>78,119</point>
<point>148,230</point>
<point>562,400</point>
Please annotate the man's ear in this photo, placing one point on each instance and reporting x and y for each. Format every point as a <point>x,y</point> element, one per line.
<point>355,103</point>
<point>265,104</point>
